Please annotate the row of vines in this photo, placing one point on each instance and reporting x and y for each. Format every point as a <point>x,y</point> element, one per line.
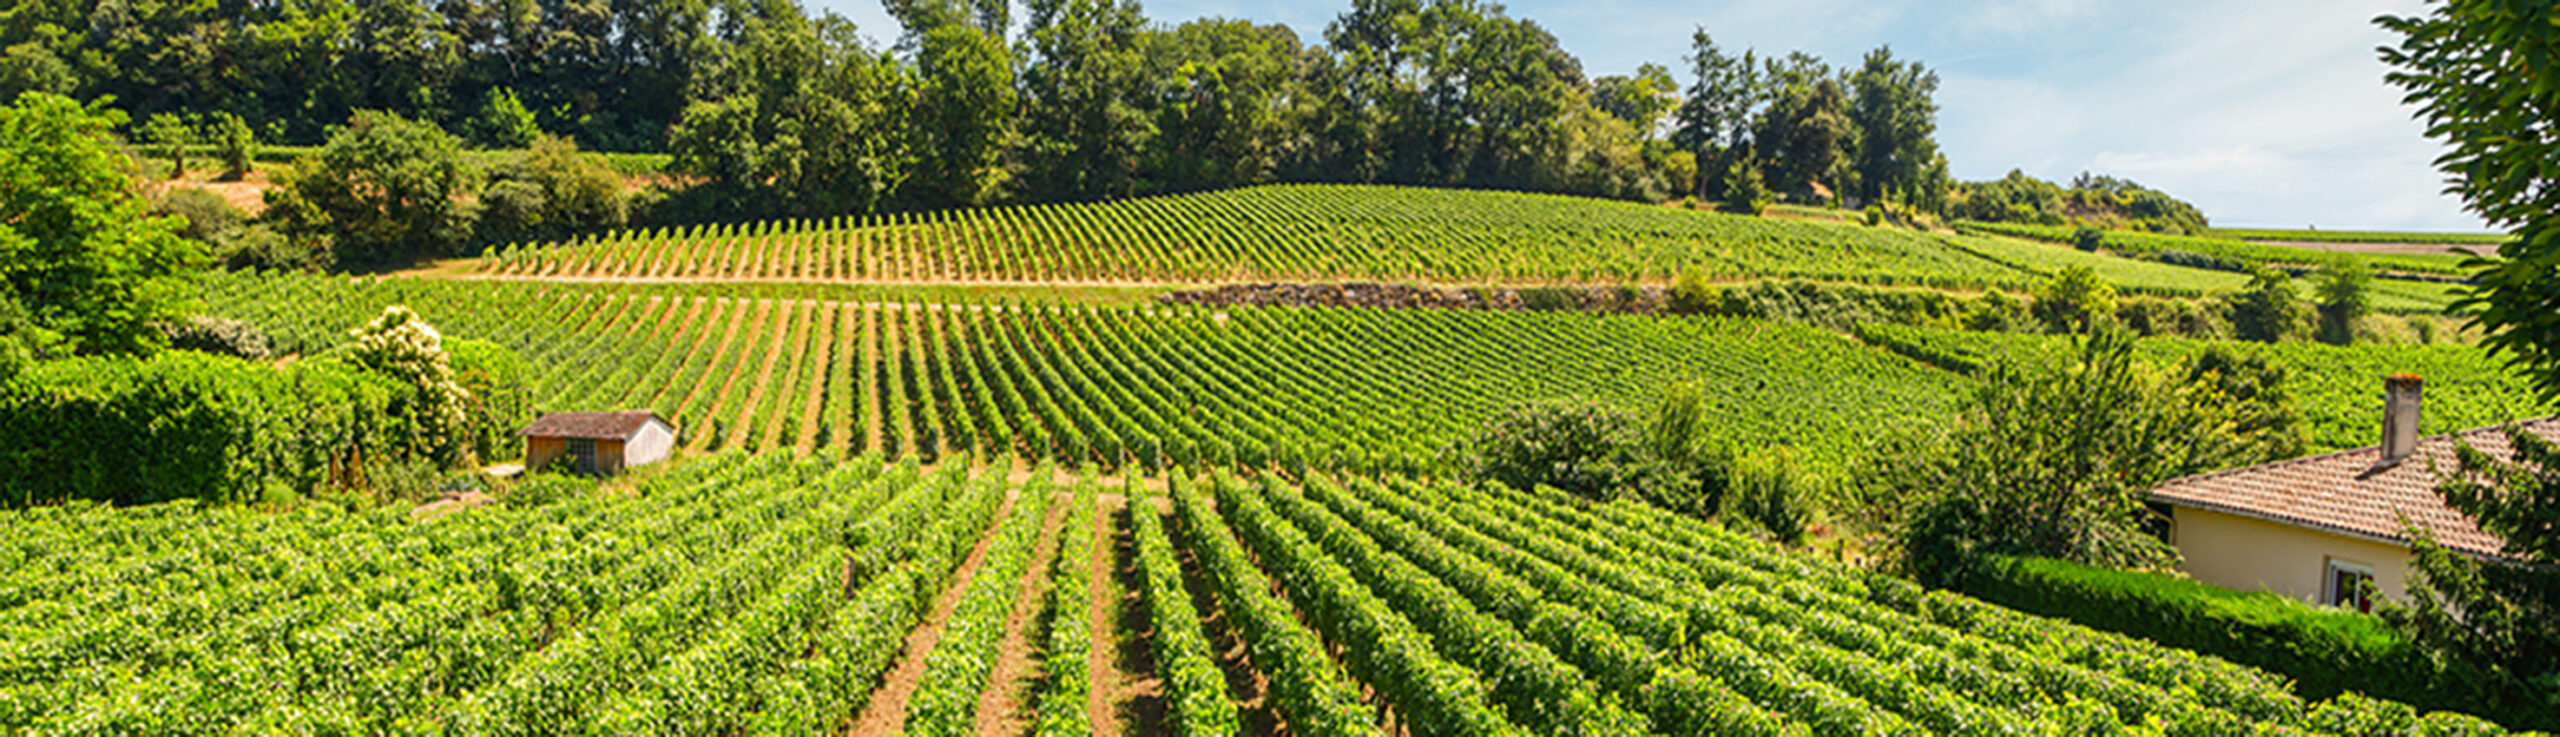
<point>769,594</point>
<point>1119,386</point>
<point>1283,232</point>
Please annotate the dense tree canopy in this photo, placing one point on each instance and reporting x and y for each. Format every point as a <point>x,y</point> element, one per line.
<point>772,110</point>
<point>84,268</point>
<point>2486,78</point>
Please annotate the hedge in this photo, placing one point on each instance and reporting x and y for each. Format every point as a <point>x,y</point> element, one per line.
<point>2326,651</point>
<point>184,425</point>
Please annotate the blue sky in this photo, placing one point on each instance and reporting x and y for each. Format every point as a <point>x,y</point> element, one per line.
<point>2262,112</point>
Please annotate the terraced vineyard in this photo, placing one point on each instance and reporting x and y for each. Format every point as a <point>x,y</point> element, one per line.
<point>2335,388</point>
<point>1150,387</point>
<point>1292,232</point>
<point>785,594</point>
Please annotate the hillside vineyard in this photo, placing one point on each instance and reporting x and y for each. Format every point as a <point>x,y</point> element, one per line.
<point>768,594</point>
<point>1153,387</point>
<point>1279,232</point>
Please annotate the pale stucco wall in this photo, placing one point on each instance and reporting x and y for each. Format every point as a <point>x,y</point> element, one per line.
<point>648,446</point>
<point>2249,554</point>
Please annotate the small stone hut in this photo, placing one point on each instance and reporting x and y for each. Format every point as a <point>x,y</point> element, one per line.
<point>597,443</point>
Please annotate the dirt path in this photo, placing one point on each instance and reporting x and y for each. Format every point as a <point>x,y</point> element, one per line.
<point>1103,674</point>
<point>789,316</point>
<point>1128,690</point>
<point>813,408</point>
<point>886,713</point>
<point>1001,708</point>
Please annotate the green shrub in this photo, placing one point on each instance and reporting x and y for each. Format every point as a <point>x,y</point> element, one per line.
<point>219,336</point>
<point>185,425</point>
<point>542,489</point>
<point>1551,299</point>
<point>2326,651</point>
<point>1774,493</point>
<point>209,217</point>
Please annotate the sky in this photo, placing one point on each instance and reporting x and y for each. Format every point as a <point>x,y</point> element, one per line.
<point>2268,113</point>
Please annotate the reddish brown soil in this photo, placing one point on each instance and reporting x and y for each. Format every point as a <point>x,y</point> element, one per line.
<point>886,713</point>
<point>1001,709</point>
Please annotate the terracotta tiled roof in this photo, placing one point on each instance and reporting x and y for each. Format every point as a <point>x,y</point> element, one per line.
<point>2352,493</point>
<point>595,425</point>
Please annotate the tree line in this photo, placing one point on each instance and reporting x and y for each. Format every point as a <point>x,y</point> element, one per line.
<point>770,110</point>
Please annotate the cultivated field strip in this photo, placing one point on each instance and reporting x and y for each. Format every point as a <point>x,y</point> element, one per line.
<point>1119,386</point>
<point>773,593</point>
<point>2332,387</point>
<point>1281,232</point>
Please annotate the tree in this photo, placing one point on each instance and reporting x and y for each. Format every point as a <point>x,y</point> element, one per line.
<point>401,346</point>
<point>1228,102</point>
<point>233,142</point>
<point>2075,300</point>
<point>1641,99</point>
<point>2343,289</point>
<point>503,122</point>
<point>385,191</point>
<point>1717,113</point>
<point>2267,310</point>
<point>2500,615</point>
<point>1085,131</point>
<point>84,267</point>
<point>169,135</point>
<point>802,120</point>
<point>553,192</point>
<point>1896,114</point>
<point>2055,461</point>
<point>1745,193</point>
<point>964,117</point>
<point>1804,133</point>
<point>2486,78</point>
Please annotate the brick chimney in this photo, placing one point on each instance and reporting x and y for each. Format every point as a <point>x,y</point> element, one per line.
<point>2400,404</point>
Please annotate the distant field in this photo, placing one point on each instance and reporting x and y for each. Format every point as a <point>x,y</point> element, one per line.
<point>1331,388</point>
<point>2362,236</point>
<point>2338,389</point>
<point>2152,277</point>
<point>2232,252</point>
<point>1290,232</point>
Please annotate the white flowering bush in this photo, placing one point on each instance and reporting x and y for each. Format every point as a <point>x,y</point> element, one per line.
<point>401,345</point>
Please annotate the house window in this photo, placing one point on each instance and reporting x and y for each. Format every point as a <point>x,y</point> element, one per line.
<point>582,455</point>
<point>2347,586</point>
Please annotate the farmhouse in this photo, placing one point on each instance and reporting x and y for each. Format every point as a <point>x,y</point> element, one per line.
<point>598,443</point>
<point>2317,528</point>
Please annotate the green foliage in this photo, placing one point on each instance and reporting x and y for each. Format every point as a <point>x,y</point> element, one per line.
<point>2331,386</point>
<point>2214,251</point>
<point>803,121</point>
<point>2481,75</point>
<point>552,192</point>
<point>2075,301</point>
<point>1744,191</point>
<point>1086,132</point>
<point>2501,614</point>
<point>964,116</point>
<point>1576,448</point>
<point>170,135</point>
<point>233,143</point>
<point>2362,236</point>
<point>538,490</point>
<point>79,253</point>
<point>185,425</point>
<point>2055,462</point>
<point>219,336</point>
<point>2268,310</point>
<point>503,122</point>
<point>2328,652</point>
<point>385,191</point>
<point>2343,292</point>
<point>403,348</point>
<point>1774,493</point>
<point>1692,293</point>
<point>2094,204</point>
<point>498,396</point>
<point>207,217</point>
<point>1896,114</point>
